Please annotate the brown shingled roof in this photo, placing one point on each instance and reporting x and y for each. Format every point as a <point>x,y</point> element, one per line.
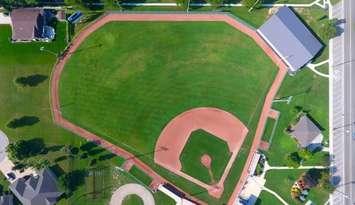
<point>27,23</point>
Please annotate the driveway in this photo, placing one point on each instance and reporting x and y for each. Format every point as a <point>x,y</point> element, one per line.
<point>4,142</point>
<point>6,164</point>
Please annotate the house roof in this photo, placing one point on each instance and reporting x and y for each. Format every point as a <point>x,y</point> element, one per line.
<point>27,23</point>
<point>6,200</point>
<point>37,190</point>
<point>305,131</point>
<point>290,38</point>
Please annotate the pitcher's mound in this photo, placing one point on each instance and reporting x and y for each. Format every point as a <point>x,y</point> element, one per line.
<point>206,161</point>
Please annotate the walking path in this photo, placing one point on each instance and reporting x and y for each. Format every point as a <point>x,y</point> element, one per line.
<point>275,194</point>
<point>314,66</point>
<point>55,78</point>
<point>128,189</point>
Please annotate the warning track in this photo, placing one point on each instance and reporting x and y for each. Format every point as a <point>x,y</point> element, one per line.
<point>109,17</point>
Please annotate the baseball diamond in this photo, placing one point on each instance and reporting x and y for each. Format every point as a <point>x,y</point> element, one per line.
<point>110,90</point>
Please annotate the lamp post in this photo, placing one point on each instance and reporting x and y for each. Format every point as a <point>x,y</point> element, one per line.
<point>48,51</point>
<point>188,6</point>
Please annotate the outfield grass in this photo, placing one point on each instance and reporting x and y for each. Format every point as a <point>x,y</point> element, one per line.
<point>200,143</point>
<point>265,198</point>
<point>24,59</point>
<point>310,93</point>
<point>281,182</point>
<point>139,89</point>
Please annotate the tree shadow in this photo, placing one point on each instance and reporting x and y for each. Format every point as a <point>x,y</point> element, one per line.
<point>94,152</point>
<point>54,148</point>
<point>57,170</point>
<point>32,80</point>
<point>61,158</point>
<point>88,146</point>
<point>106,157</point>
<point>72,181</point>
<point>23,121</point>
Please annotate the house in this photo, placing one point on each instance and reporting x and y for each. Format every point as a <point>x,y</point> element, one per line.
<point>37,190</point>
<point>31,24</point>
<point>6,199</point>
<point>290,38</point>
<point>307,134</point>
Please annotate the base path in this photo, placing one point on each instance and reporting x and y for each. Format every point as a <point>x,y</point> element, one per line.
<point>128,189</point>
<point>109,17</point>
<point>177,132</point>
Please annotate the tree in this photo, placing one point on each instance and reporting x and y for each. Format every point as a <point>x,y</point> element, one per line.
<point>9,4</point>
<point>324,181</point>
<point>251,4</point>
<point>71,181</point>
<point>293,160</point>
<point>38,164</point>
<point>182,3</point>
<point>305,154</point>
<point>328,29</point>
<point>23,149</point>
<point>215,3</point>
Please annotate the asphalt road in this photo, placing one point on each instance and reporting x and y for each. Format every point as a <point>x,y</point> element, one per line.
<point>349,102</point>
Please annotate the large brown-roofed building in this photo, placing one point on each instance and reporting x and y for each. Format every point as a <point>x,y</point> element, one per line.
<point>29,24</point>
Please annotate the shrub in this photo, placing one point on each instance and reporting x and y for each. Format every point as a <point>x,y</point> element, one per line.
<point>182,3</point>
<point>305,154</point>
<point>293,160</point>
<point>328,29</point>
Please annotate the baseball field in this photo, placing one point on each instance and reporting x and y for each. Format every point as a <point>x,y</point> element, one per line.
<point>128,80</point>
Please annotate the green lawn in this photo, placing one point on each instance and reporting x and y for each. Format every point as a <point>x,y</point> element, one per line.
<point>24,59</point>
<point>310,93</point>
<point>270,123</point>
<point>265,198</point>
<point>315,17</point>
<point>281,182</point>
<point>132,200</point>
<point>200,143</point>
<point>139,89</point>
<point>140,175</point>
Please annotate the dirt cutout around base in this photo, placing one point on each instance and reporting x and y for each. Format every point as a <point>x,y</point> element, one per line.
<point>177,132</point>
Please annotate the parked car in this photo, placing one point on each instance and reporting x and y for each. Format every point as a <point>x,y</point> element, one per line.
<point>75,17</point>
<point>11,176</point>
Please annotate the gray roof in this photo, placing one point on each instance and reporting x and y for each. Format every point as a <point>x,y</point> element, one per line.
<point>290,38</point>
<point>37,190</point>
<point>6,200</point>
<point>27,24</point>
<point>305,131</point>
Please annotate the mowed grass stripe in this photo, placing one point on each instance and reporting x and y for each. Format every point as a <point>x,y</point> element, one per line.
<point>175,67</point>
<point>146,73</point>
